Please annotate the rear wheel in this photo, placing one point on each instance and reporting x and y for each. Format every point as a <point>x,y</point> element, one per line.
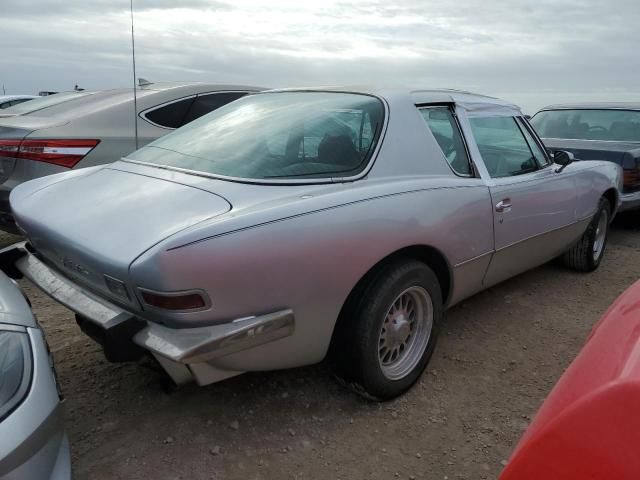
<point>586,255</point>
<point>390,330</point>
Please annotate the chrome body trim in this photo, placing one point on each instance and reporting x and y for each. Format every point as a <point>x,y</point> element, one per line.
<point>629,201</point>
<point>65,291</point>
<point>202,344</point>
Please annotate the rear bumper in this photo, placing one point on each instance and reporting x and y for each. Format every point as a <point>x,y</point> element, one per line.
<point>630,201</point>
<point>125,336</point>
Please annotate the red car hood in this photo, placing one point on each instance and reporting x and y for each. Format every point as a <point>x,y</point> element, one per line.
<point>589,425</point>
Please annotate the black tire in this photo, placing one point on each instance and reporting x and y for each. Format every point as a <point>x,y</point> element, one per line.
<point>581,256</point>
<point>355,348</point>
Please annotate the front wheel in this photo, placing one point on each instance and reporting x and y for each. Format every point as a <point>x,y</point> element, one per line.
<point>391,330</point>
<point>586,255</point>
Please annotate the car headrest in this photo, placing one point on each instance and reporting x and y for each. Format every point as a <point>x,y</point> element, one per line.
<point>338,150</point>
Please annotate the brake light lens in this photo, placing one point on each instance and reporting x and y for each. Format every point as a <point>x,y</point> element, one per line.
<point>631,178</point>
<point>65,153</point>
<point>9,148</point>
<point>174,301</point>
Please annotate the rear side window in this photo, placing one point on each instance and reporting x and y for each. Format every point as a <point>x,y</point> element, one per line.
<point>444,128</point>
<point>207,103</point>
<point>503,148</point>
<point>171,115</point>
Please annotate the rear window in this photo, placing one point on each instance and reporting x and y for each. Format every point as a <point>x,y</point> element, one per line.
<point>583,124</point>
<point>285,135</point>
<point>44,102</point>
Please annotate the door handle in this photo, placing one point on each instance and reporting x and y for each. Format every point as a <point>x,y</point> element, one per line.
<point>503,205</point>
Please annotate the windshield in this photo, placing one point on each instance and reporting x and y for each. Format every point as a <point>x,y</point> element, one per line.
<point>612,125</point>
<point>281,135</point>
<point>43,102</point>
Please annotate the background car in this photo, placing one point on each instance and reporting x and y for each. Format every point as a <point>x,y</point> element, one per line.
<point>33,442</point>
<point>82,128</point>
<point>7,101</point>
<point>588,425</point>
<point>599,131</point>
<point>292,224</point>
<point>38,103</point>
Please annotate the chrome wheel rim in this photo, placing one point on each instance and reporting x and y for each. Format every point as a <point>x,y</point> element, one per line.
<point>405,332</point>
<point>601,235</point>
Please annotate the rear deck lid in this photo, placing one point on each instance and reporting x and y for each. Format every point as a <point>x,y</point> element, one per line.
<point>96,224</point>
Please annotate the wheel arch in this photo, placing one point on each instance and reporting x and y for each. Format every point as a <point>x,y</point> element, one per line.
<point>430,256</point>
<point>612,196</point>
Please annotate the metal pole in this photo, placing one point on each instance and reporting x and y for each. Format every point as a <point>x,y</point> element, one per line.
<point>135,95</point>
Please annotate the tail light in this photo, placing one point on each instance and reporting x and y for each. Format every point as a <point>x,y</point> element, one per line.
<point>174,300</point>
<point>631,179</point>
<point>65,153</point>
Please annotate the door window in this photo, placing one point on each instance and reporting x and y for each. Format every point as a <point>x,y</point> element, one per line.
<point>503,148</point>
<point>538,153</point>
<point>444,128</point>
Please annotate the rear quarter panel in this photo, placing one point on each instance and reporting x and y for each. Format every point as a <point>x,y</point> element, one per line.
<point>593,179</point>
<point>310,262</point>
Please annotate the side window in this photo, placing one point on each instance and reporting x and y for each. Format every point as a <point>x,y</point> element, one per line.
<point>504,150</point>
<point>207,103</point>
<point>171,115</point>
<point>445,129</point>
<point>534,146</point>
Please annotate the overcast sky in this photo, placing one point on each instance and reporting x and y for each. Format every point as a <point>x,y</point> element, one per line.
<point>530,52</point>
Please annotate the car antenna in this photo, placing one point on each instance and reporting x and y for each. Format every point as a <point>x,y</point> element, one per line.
<point>135,95</point>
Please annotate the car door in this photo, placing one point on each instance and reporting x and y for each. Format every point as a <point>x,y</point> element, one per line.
<point>533,203</point>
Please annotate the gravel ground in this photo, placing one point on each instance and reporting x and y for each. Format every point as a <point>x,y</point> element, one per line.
<point>499,355</point>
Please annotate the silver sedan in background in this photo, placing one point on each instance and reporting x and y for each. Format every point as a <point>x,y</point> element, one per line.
<point>291,225</point>
<point>80,129</point>
<point>33,443</point>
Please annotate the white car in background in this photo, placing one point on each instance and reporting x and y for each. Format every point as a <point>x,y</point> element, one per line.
<point>7,101</point>
<point>78,129</point>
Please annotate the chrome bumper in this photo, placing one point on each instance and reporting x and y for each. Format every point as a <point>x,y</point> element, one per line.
<point>185,346</point>
<point>630,201</point>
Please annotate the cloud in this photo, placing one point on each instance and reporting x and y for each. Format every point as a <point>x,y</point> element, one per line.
<point>532,53</point>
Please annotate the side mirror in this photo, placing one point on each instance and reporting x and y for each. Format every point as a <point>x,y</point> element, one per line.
<point>563,158</point>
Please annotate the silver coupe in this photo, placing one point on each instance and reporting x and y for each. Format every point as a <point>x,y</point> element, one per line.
<point>295,225</point>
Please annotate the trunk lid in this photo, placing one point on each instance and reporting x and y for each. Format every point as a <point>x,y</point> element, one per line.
<point>592,149</point>
<point>625,154</point>
<point>17,128</point>
<point>96,223</point>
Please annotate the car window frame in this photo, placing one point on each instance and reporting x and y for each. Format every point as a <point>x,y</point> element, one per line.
<point>143,113</point>
<point>536,138</point>
<point>452,109</point>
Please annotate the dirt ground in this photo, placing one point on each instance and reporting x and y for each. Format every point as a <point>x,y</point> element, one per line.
<point>499,355</point>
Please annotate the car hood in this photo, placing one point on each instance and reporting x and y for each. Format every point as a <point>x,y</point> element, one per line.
<point>95,222</point>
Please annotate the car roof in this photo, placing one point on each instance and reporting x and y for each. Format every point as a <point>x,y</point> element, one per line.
<point>163,86</point>
<point>473,103</point>
<point>594,106</point>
